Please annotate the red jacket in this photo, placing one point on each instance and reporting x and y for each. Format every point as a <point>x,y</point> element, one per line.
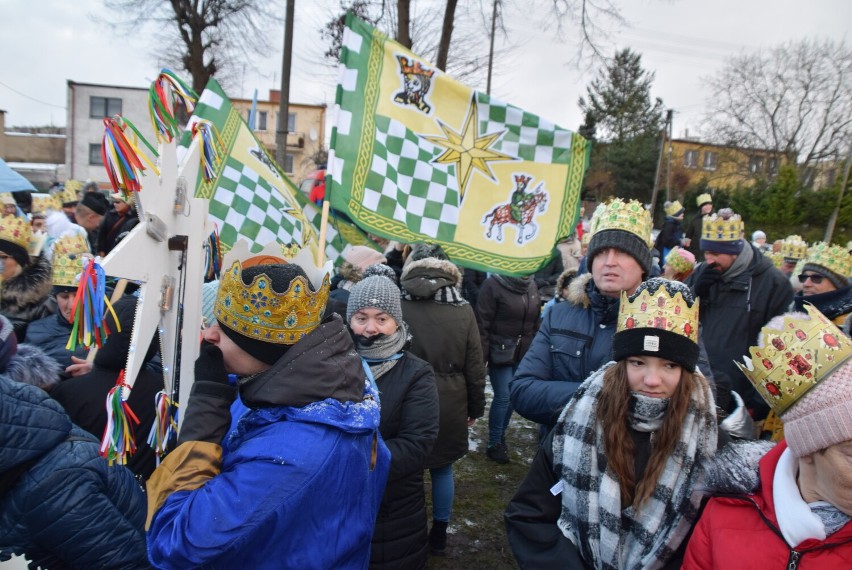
<point>742,532</point>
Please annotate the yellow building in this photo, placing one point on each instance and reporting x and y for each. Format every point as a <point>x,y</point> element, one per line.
<point>719,166</point>
<point>305,131</point>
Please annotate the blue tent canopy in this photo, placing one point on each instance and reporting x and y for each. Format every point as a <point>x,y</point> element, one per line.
<point>11,181</point>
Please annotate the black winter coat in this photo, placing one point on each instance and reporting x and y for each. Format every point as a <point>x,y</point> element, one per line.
<point>61,504</point>
<point>51,335</point>
<point>732,314</point>
<point>409,426</point>
<point>113,228</point>
<point>503,313</point>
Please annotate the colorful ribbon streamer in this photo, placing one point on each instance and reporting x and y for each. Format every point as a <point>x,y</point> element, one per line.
<point>88,313</point>
<point>164,430</point>
<point>165,94</point>
<point>212,147</point>
<point>122,157</point>
<point>118,442</point>
<point>213,256</point>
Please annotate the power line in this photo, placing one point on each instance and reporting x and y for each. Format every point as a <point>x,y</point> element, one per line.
<point>31,98</point>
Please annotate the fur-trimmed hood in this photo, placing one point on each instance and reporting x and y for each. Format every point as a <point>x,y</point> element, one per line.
<point>735,468</point>
<point>349,272</point>
<point>31,365</point>
<point>31,287</point>
<point>577,293</point>
<point>423,278</point>
<point>567,275</point>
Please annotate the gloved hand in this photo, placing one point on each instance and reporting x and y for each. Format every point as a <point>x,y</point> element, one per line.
<point>208,413</point>
<point>710,275</point>
<point>739,423</point>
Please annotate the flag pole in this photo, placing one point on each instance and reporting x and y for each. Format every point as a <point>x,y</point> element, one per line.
<point>326,204</point>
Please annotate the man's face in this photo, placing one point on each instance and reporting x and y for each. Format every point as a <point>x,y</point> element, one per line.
<point>65,301</point>
<point>833,475</point>
<point>615,271</point>
<point>723,261</point>
<point>811,287</point>
<point>237,360</point>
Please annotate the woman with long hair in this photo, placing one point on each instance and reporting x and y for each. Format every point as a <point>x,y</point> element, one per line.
<point>617,484</point>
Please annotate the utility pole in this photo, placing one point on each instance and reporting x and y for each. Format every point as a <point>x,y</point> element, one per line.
<point>829,229</point>
<point>663,137</point>
<point>491,48</point>
<point>284,104</point>
<point>669,157</point>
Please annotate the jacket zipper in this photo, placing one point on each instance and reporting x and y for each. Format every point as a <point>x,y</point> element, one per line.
<point>793,561</point>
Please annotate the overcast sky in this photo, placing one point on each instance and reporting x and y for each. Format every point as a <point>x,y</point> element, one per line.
<point>45,43</point>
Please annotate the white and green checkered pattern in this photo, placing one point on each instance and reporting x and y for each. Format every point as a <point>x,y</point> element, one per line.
<point>527,136</point>
<point>246,205</point>
<point>405,185</point>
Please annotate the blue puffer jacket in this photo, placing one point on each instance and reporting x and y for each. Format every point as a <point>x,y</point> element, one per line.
<point>61,504</point>
<point>574,340</point>
<point>51,335</point>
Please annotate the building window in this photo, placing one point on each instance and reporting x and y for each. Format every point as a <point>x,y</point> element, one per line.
<point>288,163</point>
<point>755,165</point>
<point>710,159</point>
<point>261,120</point>
<point>291,122</point>
<point>772,166</point>
<point>100,107</point>
<point>690,159</point>
<point>95,158</point>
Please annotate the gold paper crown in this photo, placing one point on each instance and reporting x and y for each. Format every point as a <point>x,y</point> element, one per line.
<point>659,310</point>
<point>703,199</point>
<point>16,230</point>
<point>795,359</point>
<point>777,258</point>
<point>832,257</point>
<point>68,255</point>
<point>716,227</point>
<point>257,312</point>
<point>630,216</point>
<point>414,67</point>
<point>68,193</point>
<point>672,208</point>
<point>42,203</point>
<point>794,248</point>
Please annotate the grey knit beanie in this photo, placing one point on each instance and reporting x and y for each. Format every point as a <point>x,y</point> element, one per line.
<point>839,281</point>
<point>377,292</point>
<point>627,242</point>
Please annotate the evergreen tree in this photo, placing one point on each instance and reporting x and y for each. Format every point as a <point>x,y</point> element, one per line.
<point>618,106</point>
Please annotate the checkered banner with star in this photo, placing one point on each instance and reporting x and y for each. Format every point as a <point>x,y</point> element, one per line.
<point>417,156</point>
<point>250,197</point>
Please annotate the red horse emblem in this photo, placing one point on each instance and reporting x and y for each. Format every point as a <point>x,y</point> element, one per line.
<point>534,203</point>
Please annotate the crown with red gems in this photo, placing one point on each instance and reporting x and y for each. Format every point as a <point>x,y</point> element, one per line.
<point>43,203</point>
<point>795,358</point>
<point>69,252</point>
<point>660,304</point>
<point>258,312</point>
<point>16,230</point>
<point>414,67</point>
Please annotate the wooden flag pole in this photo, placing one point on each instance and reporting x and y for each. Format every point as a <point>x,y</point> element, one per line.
<point>323,227</point>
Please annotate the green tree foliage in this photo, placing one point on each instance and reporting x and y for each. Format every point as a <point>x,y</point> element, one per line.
<point>620,112</point>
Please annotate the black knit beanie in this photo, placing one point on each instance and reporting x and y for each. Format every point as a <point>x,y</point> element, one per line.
<point>657,342</point>
<point>623,240</point>
<point>280,276</point>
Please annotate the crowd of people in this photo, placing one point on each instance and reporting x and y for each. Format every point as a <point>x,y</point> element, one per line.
<point>693,406</point>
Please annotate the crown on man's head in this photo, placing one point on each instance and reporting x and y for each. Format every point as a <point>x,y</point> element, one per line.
<point>659,305</point>
<point>834,258</point>
<point>69,253</point>
<point>628,216</point>
<point>257,311</point>
<point>15,230</point>
<point>794,248</point>
<point>414,68</point>
<point>795,359</point>
<point>724,226</point>
<point>43,203</point>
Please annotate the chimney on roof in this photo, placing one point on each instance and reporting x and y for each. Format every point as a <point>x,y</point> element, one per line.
<point>275,96</point>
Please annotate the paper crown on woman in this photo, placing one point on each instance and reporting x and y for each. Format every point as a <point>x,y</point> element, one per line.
<point>279,305</point>
<point>659,319</point>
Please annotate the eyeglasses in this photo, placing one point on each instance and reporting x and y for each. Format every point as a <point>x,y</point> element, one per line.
<point>815,279</point>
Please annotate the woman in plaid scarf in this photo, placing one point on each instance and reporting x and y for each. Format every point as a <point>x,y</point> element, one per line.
<point>617,484</point>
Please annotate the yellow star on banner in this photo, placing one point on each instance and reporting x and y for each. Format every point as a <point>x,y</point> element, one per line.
<point>467,150</point>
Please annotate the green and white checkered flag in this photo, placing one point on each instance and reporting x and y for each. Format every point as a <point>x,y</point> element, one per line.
<point>417,156</point>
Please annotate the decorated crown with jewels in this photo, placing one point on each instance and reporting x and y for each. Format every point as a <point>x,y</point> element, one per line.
<point>794,248</point>
<point>256,311</point>
<point>42,203</point>
<point>16,230</point>
<point>69,253</point>
<point>659,305</point>
<point>795,359</point>
<point>627,216</point>
<point>724,226</point>
<point>68,193</point>
<point>832,257</point>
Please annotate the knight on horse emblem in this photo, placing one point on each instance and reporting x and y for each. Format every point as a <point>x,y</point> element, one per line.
<point>520,211</point>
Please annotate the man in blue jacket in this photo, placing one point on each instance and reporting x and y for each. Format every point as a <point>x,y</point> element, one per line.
<point>291,473</point>
<point>575,337</point>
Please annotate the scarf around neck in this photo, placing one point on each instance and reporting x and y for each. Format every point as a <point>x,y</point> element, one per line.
<point>740,264</point>
<point>381,354</point>
<point>592,518</point>
<point>518,285</point>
